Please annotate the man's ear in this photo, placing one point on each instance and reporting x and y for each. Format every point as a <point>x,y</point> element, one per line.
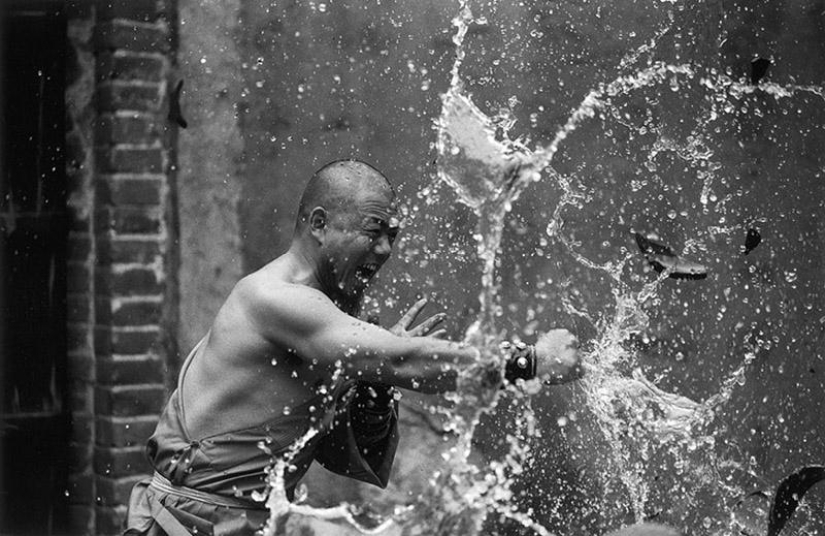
<point>317,221</point>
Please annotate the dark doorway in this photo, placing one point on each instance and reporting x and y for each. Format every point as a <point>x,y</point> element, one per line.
<point>34,428</point>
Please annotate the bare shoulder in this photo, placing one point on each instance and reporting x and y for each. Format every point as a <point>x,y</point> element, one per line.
<point>274,305</point>
<point>265,295</point>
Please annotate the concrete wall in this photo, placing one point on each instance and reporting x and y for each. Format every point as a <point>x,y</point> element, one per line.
<point>274,90</point>
<point>212,162</point>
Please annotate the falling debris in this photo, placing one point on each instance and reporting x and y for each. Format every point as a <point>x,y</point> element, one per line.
<point>789,493</point>
<point>759,68</point>
<point>751,241</point>
<point>175,114</point>
<point>662,258</point>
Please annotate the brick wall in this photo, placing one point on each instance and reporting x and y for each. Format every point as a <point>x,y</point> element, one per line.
<point>122,284</point>
<point>80,315</point>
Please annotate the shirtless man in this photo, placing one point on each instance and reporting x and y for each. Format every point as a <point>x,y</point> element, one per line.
<point>287,353</point>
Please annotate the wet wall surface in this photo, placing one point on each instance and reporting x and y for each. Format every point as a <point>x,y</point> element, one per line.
<point>693,161</point>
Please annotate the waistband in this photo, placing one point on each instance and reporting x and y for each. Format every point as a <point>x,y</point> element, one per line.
<point>162,484</point>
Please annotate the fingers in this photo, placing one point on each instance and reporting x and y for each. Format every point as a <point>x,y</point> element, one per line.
<point>438,334</point>
<point>428,325</point>
<point>409,317</point>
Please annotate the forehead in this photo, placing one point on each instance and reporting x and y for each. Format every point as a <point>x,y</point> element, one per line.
<point>382,207</point>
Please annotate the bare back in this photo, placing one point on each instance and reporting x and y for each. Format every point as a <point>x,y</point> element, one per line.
<point>238,378</point>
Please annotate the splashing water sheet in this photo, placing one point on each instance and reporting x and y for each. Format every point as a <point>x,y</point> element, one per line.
<point>666,452</point>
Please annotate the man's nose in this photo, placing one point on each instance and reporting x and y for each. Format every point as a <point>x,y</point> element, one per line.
<point>383,246</point>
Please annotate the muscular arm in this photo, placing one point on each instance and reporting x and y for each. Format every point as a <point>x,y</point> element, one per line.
<point>306,322</point>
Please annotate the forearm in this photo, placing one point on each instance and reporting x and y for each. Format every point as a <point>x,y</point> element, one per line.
<point>431,365</point>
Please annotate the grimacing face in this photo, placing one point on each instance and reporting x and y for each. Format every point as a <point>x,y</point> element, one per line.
<point>360,242</point>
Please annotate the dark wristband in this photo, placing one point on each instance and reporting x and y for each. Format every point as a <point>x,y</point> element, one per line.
<point>522,363</point>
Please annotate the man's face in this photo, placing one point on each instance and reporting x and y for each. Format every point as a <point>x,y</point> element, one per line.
<point>359,242</point>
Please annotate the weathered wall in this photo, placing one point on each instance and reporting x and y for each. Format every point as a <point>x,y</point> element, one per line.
<point>211,160</point>
<point>274,90</point>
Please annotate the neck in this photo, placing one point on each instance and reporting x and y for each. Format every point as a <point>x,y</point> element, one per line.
<point>303,266</point>
<point>307,268</point>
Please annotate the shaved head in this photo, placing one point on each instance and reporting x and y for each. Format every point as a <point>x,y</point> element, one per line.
<point>338,187</point>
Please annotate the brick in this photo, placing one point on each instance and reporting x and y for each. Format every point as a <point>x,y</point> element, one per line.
<point>120,159</point>
<point>81,519</point>
<point>78,308</point>
<point>80,456</point>
<point>110,520</point>
<point>81,396</point>
<point>130,281</point>
<point>75,151</point>
<point>77,180</point>
<point>78,219</point>
<point>130,35</point>
<point>128,220</point>
<point>123,95</point>
<point>78,276</point>
<point>131,370</point>
<point>81,488</point>
<point>79,247</point>
<point>125,431</point>
<point>138,313</point>
<point>129,400</point>
<point>81,366</point>
<point>137,10</point>
<point>128,251</point>
<point>78,338</point>
<point>121,461</point>
<point>110,341</point>
<point>82,426</point>
<point>120,313</point>
<point>131,191</point>
<point>115,491</point>
<point>121,65</point>
<point>131,128</point>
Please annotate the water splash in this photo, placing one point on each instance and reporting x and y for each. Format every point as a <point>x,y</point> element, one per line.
<point>646,427</point>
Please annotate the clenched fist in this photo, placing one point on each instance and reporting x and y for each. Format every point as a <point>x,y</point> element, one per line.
<point>557,353</point>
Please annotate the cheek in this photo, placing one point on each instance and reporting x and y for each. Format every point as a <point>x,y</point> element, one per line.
<point>359,245</point>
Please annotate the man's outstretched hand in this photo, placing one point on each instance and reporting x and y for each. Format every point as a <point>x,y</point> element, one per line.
<point>558,357</point>
<point>425,328</point>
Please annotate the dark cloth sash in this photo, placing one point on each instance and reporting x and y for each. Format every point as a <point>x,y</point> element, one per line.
<point>148,503</point>
<point>162,484</point>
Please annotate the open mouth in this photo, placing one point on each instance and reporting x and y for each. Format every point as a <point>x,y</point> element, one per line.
<point>365,272</point>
